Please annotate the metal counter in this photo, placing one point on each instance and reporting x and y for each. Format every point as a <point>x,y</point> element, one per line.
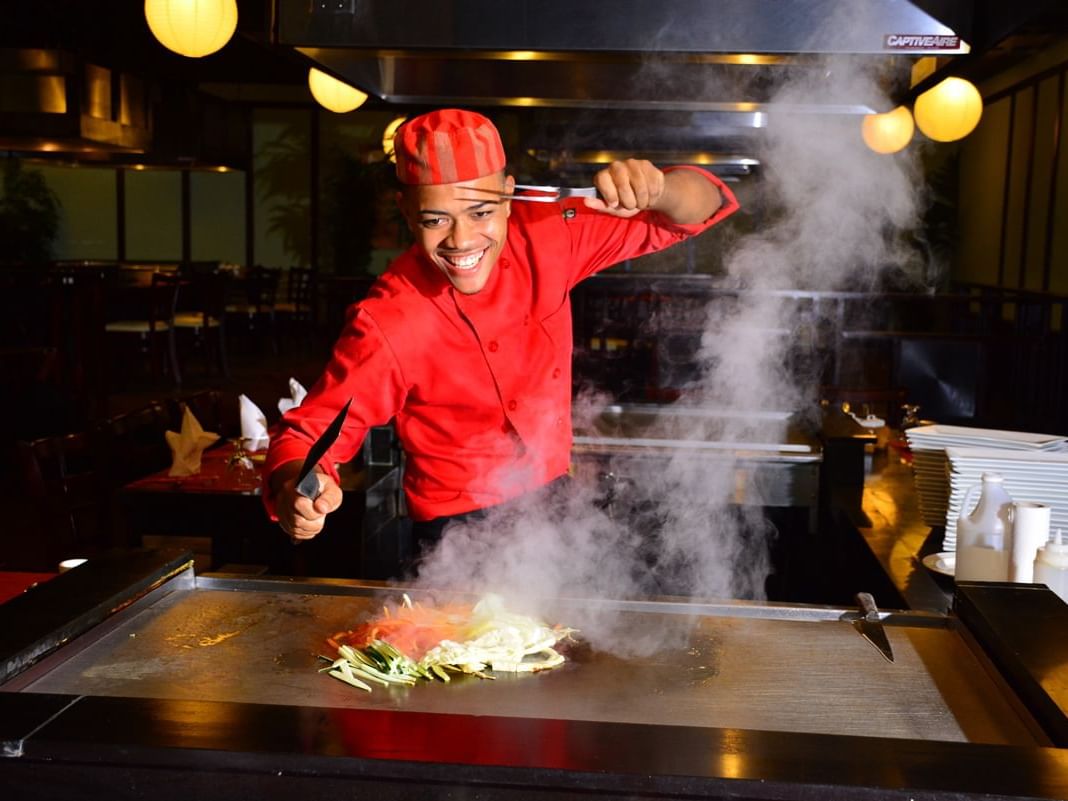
<point>207,687</point>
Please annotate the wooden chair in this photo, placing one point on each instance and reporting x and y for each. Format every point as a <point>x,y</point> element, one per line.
<point>202,312</point>
<point>137,444</point>
<point>150,318</point>
<point>67,493</point>
<point>76,302</point>
<point>295,314</point>
<point>251,301</point>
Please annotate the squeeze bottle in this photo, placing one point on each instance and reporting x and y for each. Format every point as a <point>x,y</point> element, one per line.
<point>1051,566</point>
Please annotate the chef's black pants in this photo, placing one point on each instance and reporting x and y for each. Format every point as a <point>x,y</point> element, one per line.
<point>428,533</point>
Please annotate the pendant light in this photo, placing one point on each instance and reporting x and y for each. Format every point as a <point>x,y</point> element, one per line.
<point>332,94</point>
<point>388,135</point>
<point>889,132</point>
<point>949,111</point>
<point>192,28</point>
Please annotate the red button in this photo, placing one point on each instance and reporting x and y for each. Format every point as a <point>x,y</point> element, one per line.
<point>559,421</point>
<point>526,319</point>
<point>493,346</point>
<point>505,264</point>
<point>556,372</point>
<point>512,405</point>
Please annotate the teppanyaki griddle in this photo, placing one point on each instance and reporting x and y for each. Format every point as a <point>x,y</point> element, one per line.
<point>730,665</point>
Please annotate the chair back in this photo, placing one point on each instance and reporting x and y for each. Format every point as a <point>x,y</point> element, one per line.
<point>137,443</point>
<point>204,294</point>
<point>65,486</point>
<point>164,298</point>
<point>140,295</point>
<point>261,287</point>
<point>300,288</point>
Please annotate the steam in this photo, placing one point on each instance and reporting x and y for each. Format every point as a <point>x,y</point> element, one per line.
<point>833,216</point>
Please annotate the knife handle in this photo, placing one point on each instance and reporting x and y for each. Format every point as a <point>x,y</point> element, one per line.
<point>309,486</point>
<point>867,604</point>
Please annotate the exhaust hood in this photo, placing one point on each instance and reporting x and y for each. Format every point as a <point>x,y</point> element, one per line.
<point>666,55</point>
<point>688,80</point>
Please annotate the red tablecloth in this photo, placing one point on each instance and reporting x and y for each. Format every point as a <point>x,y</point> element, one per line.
<point>13,584</point>
<point>216,475</point>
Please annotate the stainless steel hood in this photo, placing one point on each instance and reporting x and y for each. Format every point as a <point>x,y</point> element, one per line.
<point>671,55</point>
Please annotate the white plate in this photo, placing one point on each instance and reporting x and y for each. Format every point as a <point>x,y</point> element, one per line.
<point>985,455</point>
<point>943,563</point>
<point>1025,438</point>
<point>1015,485</point>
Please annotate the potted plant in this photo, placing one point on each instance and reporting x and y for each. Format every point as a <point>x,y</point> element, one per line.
<point>29,215</point>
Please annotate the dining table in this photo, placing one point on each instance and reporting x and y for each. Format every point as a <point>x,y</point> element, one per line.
<point>218,513</point>
<point>14,583</point>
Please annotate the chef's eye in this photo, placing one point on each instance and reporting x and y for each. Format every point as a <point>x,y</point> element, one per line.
<point>432,222</point>
<point>483,214</point>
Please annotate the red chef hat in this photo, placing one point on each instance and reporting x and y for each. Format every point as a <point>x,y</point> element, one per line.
<point>447,146</point>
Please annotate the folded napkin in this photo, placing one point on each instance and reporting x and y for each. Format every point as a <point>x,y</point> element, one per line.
<point>296,396</point>
<point>187,445</point>
<point>253,425</point>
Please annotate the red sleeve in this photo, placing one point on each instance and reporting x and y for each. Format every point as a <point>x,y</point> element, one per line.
<point>363,367</point>
<point>599,240</point>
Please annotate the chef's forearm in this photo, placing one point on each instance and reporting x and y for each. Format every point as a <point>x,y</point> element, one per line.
<point>688,198</point>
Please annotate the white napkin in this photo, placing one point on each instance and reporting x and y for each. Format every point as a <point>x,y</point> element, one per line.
<point>296,396</point>
<point>188,445</point>
<point>253,425</point>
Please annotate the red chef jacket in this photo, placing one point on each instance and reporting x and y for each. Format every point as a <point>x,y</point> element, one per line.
<point>480,385</point>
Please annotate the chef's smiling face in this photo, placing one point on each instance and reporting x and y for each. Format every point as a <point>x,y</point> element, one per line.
<point>462,227</point>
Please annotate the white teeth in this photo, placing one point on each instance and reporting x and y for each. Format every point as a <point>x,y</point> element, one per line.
<point>466,262</point>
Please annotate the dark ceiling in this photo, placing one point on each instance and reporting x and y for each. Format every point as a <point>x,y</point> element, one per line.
<point>114,34</point>
<point>213,92</point>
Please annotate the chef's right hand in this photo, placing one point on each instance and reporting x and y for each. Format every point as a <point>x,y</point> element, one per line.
<point>302,518</point>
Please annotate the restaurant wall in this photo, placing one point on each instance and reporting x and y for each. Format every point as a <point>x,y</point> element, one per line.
<point>153,210</point>
<point>281,145</point>
<point>217,216</point>
<point>359,229</point>
<point>1013,181</point>
<point>88,226</point>
<point>152,214</point>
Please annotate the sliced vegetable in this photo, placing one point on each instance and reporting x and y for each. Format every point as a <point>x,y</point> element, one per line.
<point>415,642</point>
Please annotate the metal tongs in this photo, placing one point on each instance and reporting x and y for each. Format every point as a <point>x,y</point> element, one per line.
<point>551,194</point>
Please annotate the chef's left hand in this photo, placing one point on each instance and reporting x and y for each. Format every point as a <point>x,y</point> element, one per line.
<point>627,187</point>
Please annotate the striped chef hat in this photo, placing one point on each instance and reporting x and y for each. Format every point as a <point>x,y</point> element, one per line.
<point>447,146</point>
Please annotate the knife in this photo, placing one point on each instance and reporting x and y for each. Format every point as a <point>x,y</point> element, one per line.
<point>871,627</point>
<point>307,480</point>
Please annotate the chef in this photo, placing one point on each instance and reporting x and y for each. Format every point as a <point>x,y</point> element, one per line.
<point>465,341</point>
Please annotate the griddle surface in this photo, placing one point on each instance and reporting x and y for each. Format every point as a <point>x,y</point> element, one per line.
<point>737,672</point>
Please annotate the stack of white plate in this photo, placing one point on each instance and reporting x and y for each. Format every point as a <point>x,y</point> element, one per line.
<point>1041,477</point>
<point>932,470</point>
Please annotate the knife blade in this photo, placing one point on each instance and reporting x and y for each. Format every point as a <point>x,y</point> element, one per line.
<point>870,626</point>
<point>307,480</point>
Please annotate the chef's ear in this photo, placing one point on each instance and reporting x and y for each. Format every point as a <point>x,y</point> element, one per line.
<point>509,188</point>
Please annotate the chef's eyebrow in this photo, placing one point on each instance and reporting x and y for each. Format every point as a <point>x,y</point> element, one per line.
<point>477,203</point>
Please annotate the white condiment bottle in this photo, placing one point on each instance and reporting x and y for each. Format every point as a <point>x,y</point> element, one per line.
<point>1051,566</point>
<point>984,538</point>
